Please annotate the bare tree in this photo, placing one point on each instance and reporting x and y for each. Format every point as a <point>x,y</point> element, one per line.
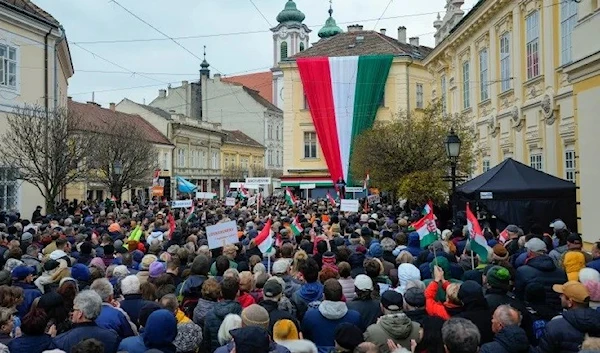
<point>233,172</point>
<point>123,158</point>
<point>258,171</point>
<point>45,149</point>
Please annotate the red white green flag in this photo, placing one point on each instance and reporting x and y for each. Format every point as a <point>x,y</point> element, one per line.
<point>190,215</point>
<point>264,240</point>
<point>343,94</point>
<point>428,208</point>
<point>330,199</point>
<point>296,227</point>
<point>289,197</point>
<point>427,229</point>
<point>244,192</point>
<point>476,239</point>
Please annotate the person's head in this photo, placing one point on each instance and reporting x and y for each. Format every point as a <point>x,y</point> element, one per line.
<point>452,293</point>
<point>246,281</point>
<point>86,306</point>
<point>255,315</point>
<point>460,336</point>
<point>327,273</point>
<point>392,302</point>
<point>170,303</point>
<point>344,269</point>
<point>34,322</point>
<point>211,290</point>
<point>535,247</point>
<point>363,286</point>
<point>310,270</point>
<point>160,329</point>
<point>285,330</point>
<point>347,337</point>
<point>90,345</point>
<point>272,290</point>
<point>281,267</point>
<point>229,288</point>
<point>104,288</point>
<point>130,285</point>
<point>230,322</point>
<point>6,320</point>
<point>251,339</point>
<point>596,250</point>
<point>23,273</point>
<point>200,265</point>
<point>173,264</point>
<point>230,251</point>
<point>414,298</point>
<point>505,315</point>
<point>404,257</point>
<point>148,291</point>
<point>574,241</point>
<point>222,265</point>
<point>372,268</point>
<point>370,347</point>
<point>332,290</point>
<point>573,295</point>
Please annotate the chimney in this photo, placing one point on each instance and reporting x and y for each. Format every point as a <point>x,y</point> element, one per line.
<point>184,83</point>
<point>93,103</point>
<point>382,31</point>
<point>402,34</point>
<point>414,41</point>
<point>162,93</point>
<point>217,77</point>
<point>112,106</point>
<point>355,28</point>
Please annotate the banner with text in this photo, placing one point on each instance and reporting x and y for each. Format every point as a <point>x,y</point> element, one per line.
<point>222,234</point>
<point>181,203</point>
<point>349,205</point>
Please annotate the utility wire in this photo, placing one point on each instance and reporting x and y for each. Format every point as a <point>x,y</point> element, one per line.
<point>384,11</point>
<point>260,12</point>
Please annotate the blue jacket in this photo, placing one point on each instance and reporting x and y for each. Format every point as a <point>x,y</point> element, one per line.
<point>134,344</point>
<point>595,264</point>
<point>191,287</point>
<point>30,293</point>
<point>319,324</point>
<point>132,304</point>
<point>109,338</point>
<point>511,339</point>
<point>113,319</point>
<point>275,348</point>
<point>414,244</point>
<point>31,344</point>
<point>542,270</point>
<point>565,334</point>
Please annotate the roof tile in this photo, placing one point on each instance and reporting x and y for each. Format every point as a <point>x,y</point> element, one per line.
<point>239,138</point>
<point>32,10</point>
<point>260,81</point>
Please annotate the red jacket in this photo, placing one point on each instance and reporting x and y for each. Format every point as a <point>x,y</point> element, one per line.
<point>433,307</point>
<point>245,300</point>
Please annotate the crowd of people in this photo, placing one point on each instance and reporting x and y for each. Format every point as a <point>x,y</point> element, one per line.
<point>136,278</point>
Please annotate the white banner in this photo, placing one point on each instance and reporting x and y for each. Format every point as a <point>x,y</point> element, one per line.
<point>349,205</point>
<point>372,199</point>
<point>259,181</point>
<point>251,201</point>
<point>308,186</point>
<point>181,203</point>
<point>206,195</point>
<point>354,189</point>
<point>230,201</point>
<point>222,234</point>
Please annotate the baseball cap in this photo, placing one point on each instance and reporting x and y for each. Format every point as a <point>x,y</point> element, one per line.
<point>280,266</point>
<point>558,224</point>
<point>272,289</point>
<point>535,245</point>
<point>392,300</point>
<point>574,290</point>
<point>363,282</point>
<point>415,297</point>
<point>21,272</point>
<point>574,238</point>
<point>513,229</point>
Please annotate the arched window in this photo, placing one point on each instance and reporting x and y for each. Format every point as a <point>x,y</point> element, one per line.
<point>301,46</point>
<point>284,50</point>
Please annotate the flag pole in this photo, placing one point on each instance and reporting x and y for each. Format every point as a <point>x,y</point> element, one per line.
<point>472,261</point>
<point>269,263</point>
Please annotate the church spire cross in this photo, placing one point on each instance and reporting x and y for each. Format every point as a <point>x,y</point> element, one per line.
<point>330,8</point>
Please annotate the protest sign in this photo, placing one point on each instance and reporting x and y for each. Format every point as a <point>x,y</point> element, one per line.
<point>221,234</point>
<point>349,205</point>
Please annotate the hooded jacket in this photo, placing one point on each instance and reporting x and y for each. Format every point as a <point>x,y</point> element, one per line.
<point>475,308</point>
<point>414,244</point>
<point>308,293</point>
<point>397,327</point>
<point>213,321</point>
<point>201,309</point>
<point>348,288</point>
<point>369,311</point>
<point>319,324</point>
<point>109,338</point>
<point>160,331</point>
<point>155,235</point>
<point>543,270</point>
<point>565,334</point>
<point>407,272</point>
<point>275,348</point>
<point>291,285</point>
<point>31,344</point>
<point>511,339</point>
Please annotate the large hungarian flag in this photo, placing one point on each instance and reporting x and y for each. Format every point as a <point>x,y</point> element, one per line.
<point>343,96</point>
<point>427,229</point>
<point>476,239</point>
<point>264,240</point>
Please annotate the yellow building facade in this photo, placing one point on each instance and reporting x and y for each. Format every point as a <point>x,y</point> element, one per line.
<point>584,74</point>
<point>241,157</point>
<point>404,91</point>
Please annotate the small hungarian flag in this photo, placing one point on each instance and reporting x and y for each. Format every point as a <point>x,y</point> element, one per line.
<point>191,213</point>
<point>244,192</point>
<point>264,240</point>
<point>428,232</point>
<point>503,237</point>
<point>331,199</point>
<point>366,184</point>
<point>296,227</point>
<point>428,208</point>
<point>476,239</point>
<point>289,197</point>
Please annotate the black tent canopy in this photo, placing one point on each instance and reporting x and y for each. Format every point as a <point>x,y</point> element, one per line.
<point>518,194</point>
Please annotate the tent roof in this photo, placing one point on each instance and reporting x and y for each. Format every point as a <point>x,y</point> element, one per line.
<point>512,177</point>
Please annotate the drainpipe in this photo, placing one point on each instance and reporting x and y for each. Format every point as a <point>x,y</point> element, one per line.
<point>408,84</point>
<point>46,104</point>
<point>62,38</point>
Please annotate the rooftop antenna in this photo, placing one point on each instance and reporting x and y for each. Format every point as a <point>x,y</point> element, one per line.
<point>94,97</point>
<point>330,8</point>
<point>205,52</point>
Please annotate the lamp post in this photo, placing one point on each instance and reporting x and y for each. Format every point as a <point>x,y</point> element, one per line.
<point>452,144</point>
<point>117,171</point>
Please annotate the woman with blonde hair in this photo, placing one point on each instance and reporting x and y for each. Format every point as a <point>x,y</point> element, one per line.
<point>230,322</point>
<point>299,257</point>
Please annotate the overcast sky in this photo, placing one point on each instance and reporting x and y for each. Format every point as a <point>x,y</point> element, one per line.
<point>218,24</point>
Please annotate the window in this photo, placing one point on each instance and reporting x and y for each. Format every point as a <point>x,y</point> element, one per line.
<point>277,159</point>
<point>532,23</point>
<point>195,162</point>
<point>420,95</point>
<point>466,85</point>
<point>505,62</point>
<point>570,165</point>
<point>306,102</point>
<point>284,50</point>
<point>226,161</point>
<point>270,157</point>
<point>277,133</point>
<point>181,158</point>
<point>568,20</point>
<point>443,94</point>
<point>483,74</point>
<point>485,165</point>
<point>244,163</point>
<point>9,185</point>
<point>270,131</point>
<point>215,160</point>
<point>310,145</point>
<point>204,160</point>
<point>164,163</point>
<point>535,161</point>
<point>8,66</point>
<point>301,46</point>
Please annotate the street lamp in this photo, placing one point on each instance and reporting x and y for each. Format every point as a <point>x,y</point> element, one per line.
<point>118,171</point>
<point>452,144</point>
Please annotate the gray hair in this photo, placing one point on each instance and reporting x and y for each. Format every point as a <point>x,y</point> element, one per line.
<point>6,315</point>
<point>388,244</point>
<point>169,302</point>
<point>89,303</point>
<point>104,289</point>
<point>130,285</point>
<point>110,270</point>
<point>32,250</point>
<point>507,315</point>
<point>460,336</point>
<point>230,322</point>
<point>233,273</point>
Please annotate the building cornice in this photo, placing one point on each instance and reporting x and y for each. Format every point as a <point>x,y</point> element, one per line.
<point>583,68</point>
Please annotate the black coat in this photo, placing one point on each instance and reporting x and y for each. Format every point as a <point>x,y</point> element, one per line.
<point>275,314</point>
<point>132,305</point>
<point>543,270</point>
<point>496,297</point>
<point>478,312</point>
<point>565,334</point>
<point>213,321</point>
<point>369,310</point>
<point>511,339</point>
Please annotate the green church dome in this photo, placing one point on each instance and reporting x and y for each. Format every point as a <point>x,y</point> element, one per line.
<point>290,13</point>
<point>331,28</point>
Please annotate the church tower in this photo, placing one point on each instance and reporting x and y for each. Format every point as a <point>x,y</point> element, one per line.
<point>290,37</point>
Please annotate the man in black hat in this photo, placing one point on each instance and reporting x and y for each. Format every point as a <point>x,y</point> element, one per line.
<point>414,304</point>
<point>347,337</point>
<point>272,292</point>
<point>251,339</point>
